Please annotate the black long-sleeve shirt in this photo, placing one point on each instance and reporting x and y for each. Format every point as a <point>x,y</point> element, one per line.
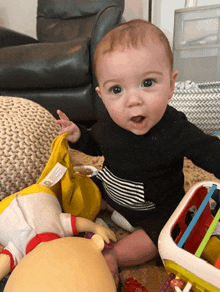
<point>156,158</point>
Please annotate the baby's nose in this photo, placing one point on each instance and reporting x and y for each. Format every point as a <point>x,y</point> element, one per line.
<point>134,98</point>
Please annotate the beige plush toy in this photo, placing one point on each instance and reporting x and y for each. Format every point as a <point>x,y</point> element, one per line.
<point>66,264</point>
<point>32,225</point>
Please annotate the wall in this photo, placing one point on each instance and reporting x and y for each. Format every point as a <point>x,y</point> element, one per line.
<point>164,17</point>
<point>135,9</point>
<point>20,15</point>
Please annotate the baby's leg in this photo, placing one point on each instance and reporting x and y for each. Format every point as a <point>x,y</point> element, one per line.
<point>105,206</point>
<point>136,248</point>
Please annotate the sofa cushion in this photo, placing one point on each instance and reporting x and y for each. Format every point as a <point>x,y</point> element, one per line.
<point>59,20</point>
<point>9,37</point>
<point>76,103</point>
<point>73,9</point>
<point>46,65</point>
<point>59,30</point>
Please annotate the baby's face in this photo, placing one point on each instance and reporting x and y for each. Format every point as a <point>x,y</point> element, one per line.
<point>135,85</point>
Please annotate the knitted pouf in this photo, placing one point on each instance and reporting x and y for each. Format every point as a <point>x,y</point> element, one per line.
<point>26,133</point>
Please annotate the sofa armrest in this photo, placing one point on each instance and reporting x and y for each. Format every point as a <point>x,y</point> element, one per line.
<point>107,19</point>
<point>45,65</point>
<point>9,37</point>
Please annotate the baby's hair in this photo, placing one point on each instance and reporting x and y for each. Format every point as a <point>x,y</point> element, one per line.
<point>132,34</point>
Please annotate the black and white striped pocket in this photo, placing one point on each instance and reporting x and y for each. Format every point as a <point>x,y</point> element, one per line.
<point>127,193</point>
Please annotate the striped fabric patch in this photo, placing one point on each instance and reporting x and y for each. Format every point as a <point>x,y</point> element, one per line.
<point>127,193</point>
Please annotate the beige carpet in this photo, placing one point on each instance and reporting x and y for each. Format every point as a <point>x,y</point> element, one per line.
<point>149,275</point>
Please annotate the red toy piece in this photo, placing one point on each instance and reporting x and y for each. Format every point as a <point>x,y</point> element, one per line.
<point>132,285</point>
<point>217,264</point>
<point>176,283</point>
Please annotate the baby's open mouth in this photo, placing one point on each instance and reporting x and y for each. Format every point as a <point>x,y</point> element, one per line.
<point>138,119</point>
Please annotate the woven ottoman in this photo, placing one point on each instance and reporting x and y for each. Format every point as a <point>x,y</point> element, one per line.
<point>26,133</point>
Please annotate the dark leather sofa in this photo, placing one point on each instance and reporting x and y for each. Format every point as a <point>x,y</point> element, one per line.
<point>56,70</point>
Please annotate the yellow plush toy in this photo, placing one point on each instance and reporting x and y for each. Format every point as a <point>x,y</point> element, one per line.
<point>33,217</point>
<point>76,192</point>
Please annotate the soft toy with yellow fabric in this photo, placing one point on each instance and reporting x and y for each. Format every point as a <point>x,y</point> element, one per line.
<point>34,215</point>
<point>70,264</point>
<point>76,192</point>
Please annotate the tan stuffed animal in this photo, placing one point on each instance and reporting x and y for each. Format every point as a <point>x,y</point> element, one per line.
<point>66,264</point>
<point>34,216</point>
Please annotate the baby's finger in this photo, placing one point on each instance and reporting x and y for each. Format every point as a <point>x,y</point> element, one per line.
<point>63,123</point>
<point>62,115</point>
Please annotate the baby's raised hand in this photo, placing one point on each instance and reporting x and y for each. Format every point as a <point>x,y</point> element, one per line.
<point>68,126</point>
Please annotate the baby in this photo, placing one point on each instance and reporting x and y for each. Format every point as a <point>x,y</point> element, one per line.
<point>143,139</point>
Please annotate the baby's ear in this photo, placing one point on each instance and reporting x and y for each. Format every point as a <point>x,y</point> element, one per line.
<point>173,79</point>
<point>97,89</point>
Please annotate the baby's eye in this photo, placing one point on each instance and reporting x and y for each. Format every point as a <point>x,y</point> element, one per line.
<point>116,89</point>
<point>148,82</point>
